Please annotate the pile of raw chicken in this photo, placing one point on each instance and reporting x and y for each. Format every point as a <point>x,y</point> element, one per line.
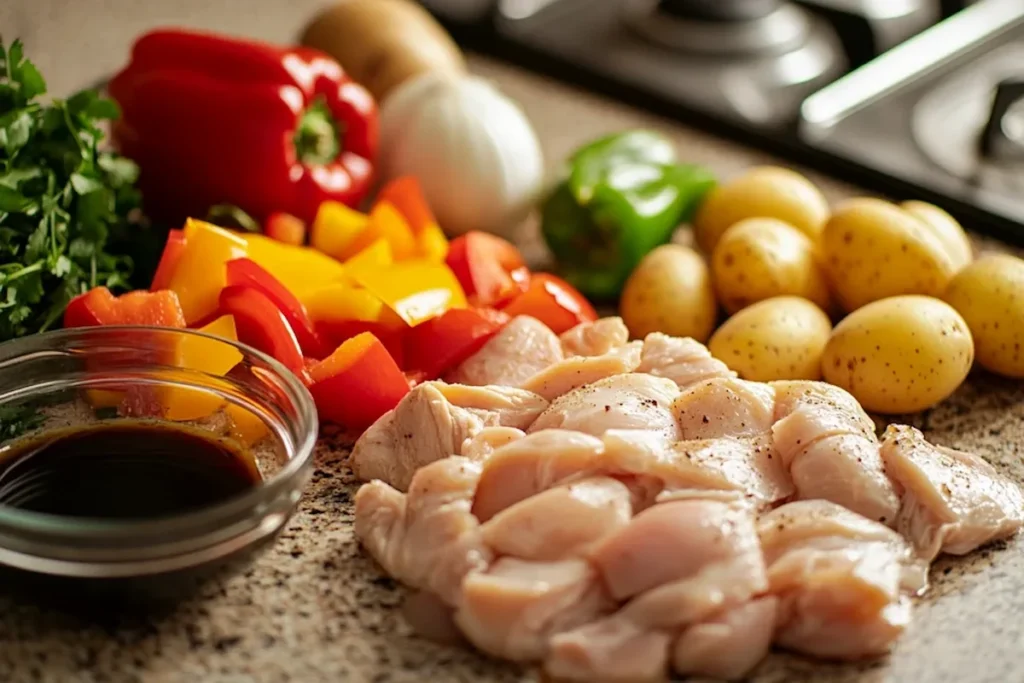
<point>615,510</point>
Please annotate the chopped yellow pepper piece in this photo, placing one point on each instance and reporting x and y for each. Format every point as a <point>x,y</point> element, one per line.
<point>431,244</point>
<point>208,356</point>
<point>376,255</point>
<point>300,269</point>
<point>336,228</point>
<point>246,426</point>
<point>343,301</point>
<point>201,273</point>
<point>416,290</point>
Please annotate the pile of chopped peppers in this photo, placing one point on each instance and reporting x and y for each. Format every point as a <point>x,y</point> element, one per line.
<point>360,306</point>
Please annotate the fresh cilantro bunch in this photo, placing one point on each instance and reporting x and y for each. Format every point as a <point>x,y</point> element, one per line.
<point>68,211</point>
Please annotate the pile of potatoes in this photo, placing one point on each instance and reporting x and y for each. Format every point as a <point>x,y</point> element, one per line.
<point>914,308</point>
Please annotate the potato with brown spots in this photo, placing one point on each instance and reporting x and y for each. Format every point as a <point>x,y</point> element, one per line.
<point>946,228</point>
<point>760,192</point>
<point>872,249</point>
<point>670,291</point>
<point>779,338</point>
<point>759,258</point>
<point>900,355</point>
<point>989,294</point>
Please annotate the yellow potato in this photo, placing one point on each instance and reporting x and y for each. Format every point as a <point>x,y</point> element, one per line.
<point>989,294</point>
<point>946,228</point>
<point>383,43</point>
<point>900,355</point>
<point>670,291</point>
<point>761,192</point>
<point>779,338</point>
<point>759,258</point>
<point>871,249</point>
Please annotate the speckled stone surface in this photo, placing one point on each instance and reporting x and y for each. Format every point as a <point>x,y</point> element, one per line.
<point>314,608</point>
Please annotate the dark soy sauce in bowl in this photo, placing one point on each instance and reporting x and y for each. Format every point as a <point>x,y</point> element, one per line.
<point>122,471</point>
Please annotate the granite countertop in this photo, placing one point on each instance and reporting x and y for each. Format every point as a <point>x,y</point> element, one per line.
<point>314,608</point>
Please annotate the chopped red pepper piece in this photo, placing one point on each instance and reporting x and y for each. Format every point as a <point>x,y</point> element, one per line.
<point>263,326</point>
<point>247,273</point>
<point>286,228</point>
<point>441,343</point>
<point>554,302</point>
<point>358,383</point>
<point>336,332</point>
<point>168,260</point>
<point>99,307</point>
<point>491,270</point>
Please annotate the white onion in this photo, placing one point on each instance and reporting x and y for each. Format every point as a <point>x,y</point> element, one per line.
<point>472,148</point>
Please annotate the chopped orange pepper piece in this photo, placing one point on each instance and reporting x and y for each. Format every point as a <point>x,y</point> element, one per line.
<point>406,195</point>
<point>286,228</point>
<point>336,228</point>
<point>416,290</point>
<point>200,274</point>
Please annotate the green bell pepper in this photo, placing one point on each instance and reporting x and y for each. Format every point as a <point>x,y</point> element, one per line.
<point>623,195</point>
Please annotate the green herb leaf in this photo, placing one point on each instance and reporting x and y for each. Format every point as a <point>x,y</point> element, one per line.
<point>68,212</point>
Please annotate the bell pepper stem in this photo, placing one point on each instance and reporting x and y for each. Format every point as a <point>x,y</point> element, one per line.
<point>317,138</point>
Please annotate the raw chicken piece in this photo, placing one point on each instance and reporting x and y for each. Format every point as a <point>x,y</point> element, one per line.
<point>511,407</point>
<point>827,442</point>
<point>423,428</point>
<point>432,619</point>
<point>489,439</point>
<point>684,561</point>
<point>846,469</point>
<point>806,411</point>
<point>427,539</point>
<point>683,360</point>
<point>561,522</point>
<point>953,502</point>
<point>725,406</point>
<point>609,651</point>
<point>841,580</point>
<point>594,339</point>
<point>522,349</point>
<point>533,464</point>
<point>433,421</point>
<point>629,401</point>
<point>565,375</point>
<point>728,645</point>
<point>731,467</point>
<point>514,609</point>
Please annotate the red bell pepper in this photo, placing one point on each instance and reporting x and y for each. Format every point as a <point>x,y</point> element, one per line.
<point>491,270</point>
<point>261,324</point>
<point>357,383</point>
<point>554,302</point>
<point>211,120</point>
<point>247,273</point>
<point>441,343</point>
<point>99,307</point>
<point>286,228</point>
<point>173,248</point>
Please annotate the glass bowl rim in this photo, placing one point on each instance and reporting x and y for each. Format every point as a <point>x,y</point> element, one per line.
<point>303,432</point>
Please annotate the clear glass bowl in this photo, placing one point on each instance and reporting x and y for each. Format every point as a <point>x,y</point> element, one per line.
<point>102,374</point>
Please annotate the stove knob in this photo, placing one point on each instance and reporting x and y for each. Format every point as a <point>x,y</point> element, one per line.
<point>1002,138</point>
<point>720,10</point>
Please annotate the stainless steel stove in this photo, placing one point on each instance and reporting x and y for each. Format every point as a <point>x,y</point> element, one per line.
<point>921,98</point>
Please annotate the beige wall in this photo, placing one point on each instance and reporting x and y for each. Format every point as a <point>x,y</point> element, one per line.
<point>77,42</point>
